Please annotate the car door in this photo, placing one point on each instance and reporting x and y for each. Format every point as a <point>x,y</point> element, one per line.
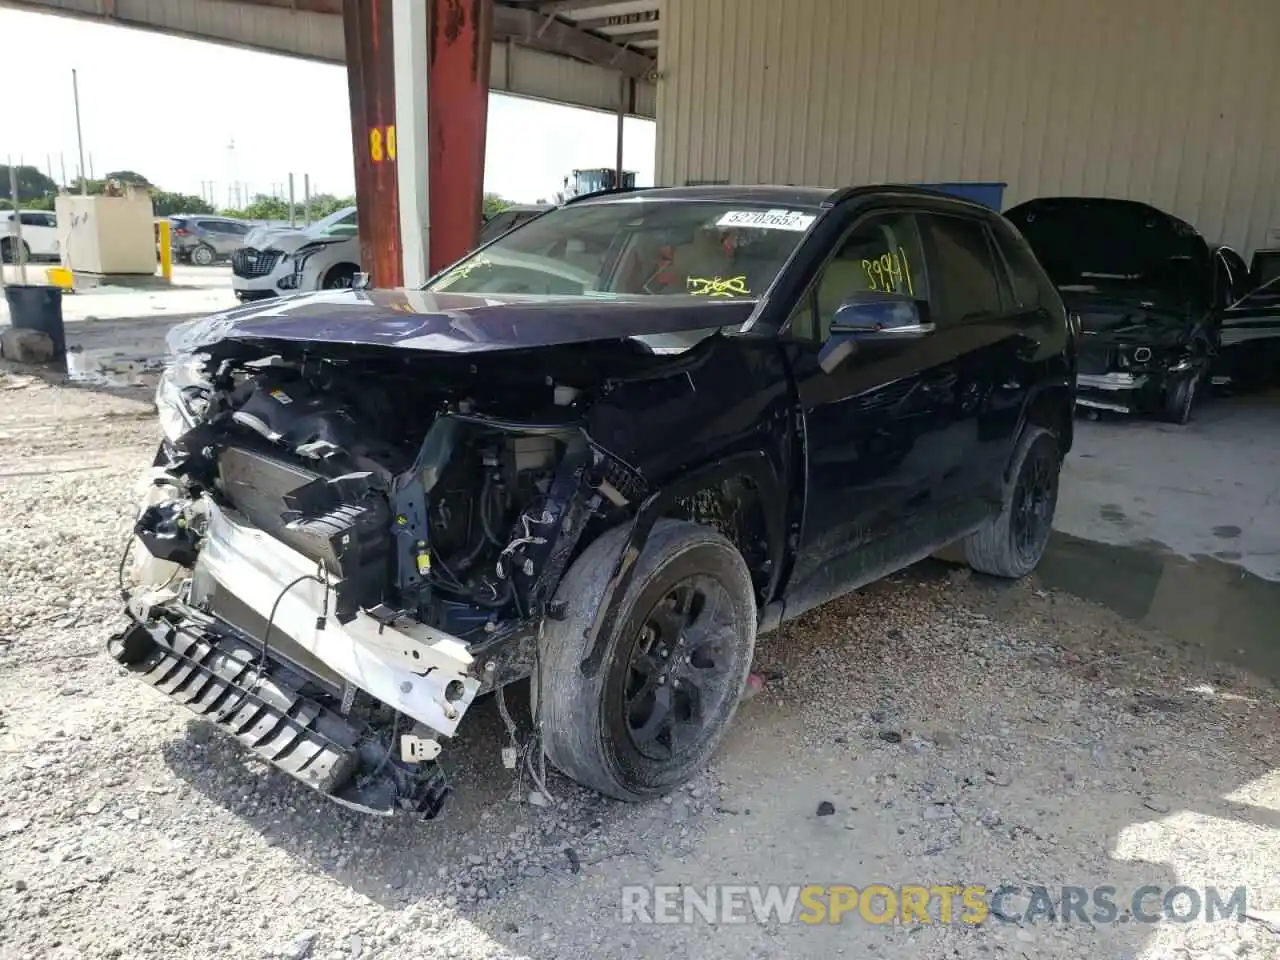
<point>991,335</point>
<point>875,424</point>
<point>1249,354</point>
<point>222,235</point>
<point>40,232</point>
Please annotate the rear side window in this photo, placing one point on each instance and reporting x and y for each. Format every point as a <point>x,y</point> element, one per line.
<point>964,280</point>
<point>32,219</point>
<point>1032,287</point>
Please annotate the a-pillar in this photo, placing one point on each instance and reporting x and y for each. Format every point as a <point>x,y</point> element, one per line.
<point>418,76</point>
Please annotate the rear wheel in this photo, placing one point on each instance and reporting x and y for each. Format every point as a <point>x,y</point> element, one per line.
<point>673,667</point>
<point>1012,543</point>
<point>203,255</point>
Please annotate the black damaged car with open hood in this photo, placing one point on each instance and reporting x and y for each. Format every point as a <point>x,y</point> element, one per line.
<point>1153,298</point>
<point>602,452</point>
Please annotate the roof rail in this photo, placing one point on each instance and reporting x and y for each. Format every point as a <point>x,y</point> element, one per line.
<point>604,193</point>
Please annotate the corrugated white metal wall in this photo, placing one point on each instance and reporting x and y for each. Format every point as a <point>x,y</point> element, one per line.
<point>316,36</point>
<point>1175,102</point>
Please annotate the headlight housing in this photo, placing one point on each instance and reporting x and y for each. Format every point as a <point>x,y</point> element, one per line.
<point>306,250</point>
<point>179,396</point>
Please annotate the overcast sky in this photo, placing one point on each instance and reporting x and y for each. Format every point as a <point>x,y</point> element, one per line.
<point>168,108</point>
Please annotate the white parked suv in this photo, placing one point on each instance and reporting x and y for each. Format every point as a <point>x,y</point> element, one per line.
<point>275,261</point>
<point>39,235</point>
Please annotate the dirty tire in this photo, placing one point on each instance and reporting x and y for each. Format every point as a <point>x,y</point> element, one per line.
<point>1180,401</point>
<point>587,724</point>
<point>7,251</point>
<point>203,255</point>
<point>999,547</point>
<point>340,277</point>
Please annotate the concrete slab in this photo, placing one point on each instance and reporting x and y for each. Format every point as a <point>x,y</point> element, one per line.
<point>1209,489</point>
<point>194,290</point>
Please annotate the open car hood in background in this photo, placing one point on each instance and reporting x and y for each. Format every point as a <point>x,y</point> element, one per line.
<point>1113,243</point>
<point>465,323</point>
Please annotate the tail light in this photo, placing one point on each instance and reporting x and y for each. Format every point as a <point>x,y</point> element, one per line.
<point>181,232</point>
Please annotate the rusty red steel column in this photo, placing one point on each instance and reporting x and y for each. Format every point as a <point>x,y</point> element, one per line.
<point>366,26</point>
<point>461,38</point>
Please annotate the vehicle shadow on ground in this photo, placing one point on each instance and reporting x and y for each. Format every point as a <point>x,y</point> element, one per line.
<point>1062,761</point>
<point>395,860</point>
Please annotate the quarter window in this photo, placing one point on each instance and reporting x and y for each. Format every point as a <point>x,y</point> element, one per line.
<point>1031,286</point>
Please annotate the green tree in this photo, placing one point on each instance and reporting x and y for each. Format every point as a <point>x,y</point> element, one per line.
<point>323,204</point>
<point>166,204</point>
<point>264,207</point>
<point>31,183</point>
<point>493,203</point>
<point>128,176</point>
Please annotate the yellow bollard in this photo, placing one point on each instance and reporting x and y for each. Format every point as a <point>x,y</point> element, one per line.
<point>166,248</point>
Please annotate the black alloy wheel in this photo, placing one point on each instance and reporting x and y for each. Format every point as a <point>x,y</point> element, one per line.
<point>1035,497</point>
<point>679,671</point>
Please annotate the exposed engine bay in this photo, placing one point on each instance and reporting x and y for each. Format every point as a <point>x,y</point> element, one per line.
<point>347,535</point>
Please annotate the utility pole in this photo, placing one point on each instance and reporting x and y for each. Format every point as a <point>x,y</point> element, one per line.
<point>75,93</point>
<point>293,211</point>
<point>306,197</point>
<point>62,163</point>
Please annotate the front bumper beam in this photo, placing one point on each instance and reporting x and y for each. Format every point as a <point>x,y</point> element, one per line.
<point>215,675</point>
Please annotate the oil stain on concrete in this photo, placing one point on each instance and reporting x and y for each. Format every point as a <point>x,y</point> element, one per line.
<point>1204,601</point>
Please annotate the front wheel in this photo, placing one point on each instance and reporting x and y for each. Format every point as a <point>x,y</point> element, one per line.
<point>7,250</point>
<point>1180,399</point>
<point>673,669</point>
<point>1012,543</point>
<point>341,277</point>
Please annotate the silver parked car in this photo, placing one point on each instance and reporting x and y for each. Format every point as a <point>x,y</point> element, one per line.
<point>204,240</point>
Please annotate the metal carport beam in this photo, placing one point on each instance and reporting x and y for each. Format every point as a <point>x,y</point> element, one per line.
<point>418,75</point>
<point>542,31</point>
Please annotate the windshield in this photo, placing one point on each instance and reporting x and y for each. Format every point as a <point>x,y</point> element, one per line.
<point>340,223</point>
<point>637,248</point>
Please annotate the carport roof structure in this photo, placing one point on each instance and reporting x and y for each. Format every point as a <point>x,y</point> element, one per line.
<point>558,50</point>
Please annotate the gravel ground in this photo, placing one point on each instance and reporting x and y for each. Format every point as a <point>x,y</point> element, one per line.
<point>936,728</point>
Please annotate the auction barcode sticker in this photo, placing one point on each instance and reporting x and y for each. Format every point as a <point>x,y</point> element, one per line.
<point>767,219</point>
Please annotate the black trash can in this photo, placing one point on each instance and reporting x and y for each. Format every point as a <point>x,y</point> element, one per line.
<point>38,307</point>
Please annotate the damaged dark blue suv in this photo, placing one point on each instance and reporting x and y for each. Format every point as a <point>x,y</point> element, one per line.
<point>604,452</point>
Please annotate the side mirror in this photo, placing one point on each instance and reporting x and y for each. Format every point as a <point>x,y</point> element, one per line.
<point>881,316</point>
<point>871,317</point>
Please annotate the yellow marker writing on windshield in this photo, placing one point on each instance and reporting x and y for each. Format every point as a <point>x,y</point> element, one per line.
<point>718,286</point>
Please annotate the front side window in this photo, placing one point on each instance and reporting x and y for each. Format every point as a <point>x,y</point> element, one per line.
<point>881,254</point>
<point>645,247</point>
<point>344,226</point>
<point>963,268</point>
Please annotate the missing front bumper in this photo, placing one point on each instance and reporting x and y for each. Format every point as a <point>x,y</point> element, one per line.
<point>1117,392</point>
<point>215,674</point>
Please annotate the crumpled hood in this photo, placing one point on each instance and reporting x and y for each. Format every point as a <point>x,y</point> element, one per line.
<point>464,323</point>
